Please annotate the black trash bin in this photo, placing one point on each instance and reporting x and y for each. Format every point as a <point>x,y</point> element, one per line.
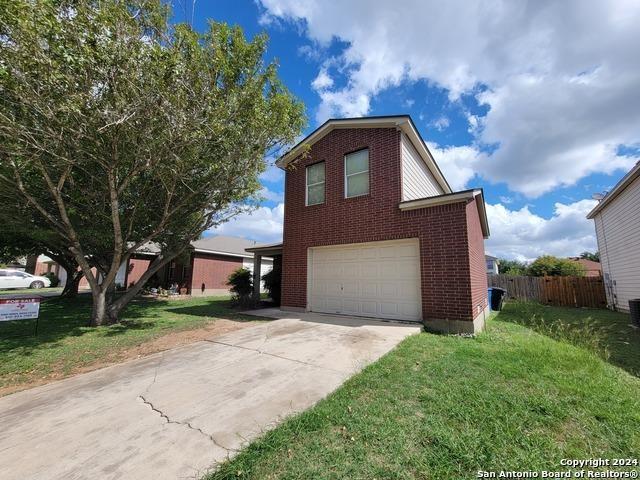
<point>497,296</point>
<point>634,310</point>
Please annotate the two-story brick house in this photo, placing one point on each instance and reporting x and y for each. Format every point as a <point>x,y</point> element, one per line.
<point>372,228</point>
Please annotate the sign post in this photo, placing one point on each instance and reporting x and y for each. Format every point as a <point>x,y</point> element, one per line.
<point>20,308</point>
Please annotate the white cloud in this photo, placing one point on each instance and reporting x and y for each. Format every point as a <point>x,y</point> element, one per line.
<point>263,225</point>
<point>271,196</point>
<point>457,163</point>
<point>560,79</point>
<point>441,123</point>
<point>272,174</point>
<point>322,81</point>
<point>523,235</point>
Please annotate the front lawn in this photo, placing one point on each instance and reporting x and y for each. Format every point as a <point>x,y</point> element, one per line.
<point>66,345</point>
<point>30,291</point>
<point>445,407</point>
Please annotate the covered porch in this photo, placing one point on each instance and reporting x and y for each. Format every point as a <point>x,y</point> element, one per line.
<point>273,250</point>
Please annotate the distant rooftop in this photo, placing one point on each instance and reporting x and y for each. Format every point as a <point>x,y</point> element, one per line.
<point>222,243</point>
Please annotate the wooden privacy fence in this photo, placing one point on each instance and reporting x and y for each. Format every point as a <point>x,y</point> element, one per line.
<point>559,291</point>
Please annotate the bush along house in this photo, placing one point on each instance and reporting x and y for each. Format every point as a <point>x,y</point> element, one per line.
<point>373,229</point>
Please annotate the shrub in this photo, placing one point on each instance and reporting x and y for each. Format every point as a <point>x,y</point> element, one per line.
<point>55,281</point>
<point>241,287</point>
<point>548,265</point>
<point>272,282</point>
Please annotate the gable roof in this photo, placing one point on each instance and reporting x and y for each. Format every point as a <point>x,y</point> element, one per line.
<point>225,245</point>
<point>617,190</point>
<point>589,265</point>
<point>402,122</point>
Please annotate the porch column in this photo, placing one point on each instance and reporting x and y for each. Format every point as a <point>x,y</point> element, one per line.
<point>257,263</point>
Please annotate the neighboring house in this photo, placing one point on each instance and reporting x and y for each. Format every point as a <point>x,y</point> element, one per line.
<point>202,270</point>
<point>493,265</point>
<point>591,268</point>
<point>617,219</point>
<point>45,264</point>
<point>372,228</point>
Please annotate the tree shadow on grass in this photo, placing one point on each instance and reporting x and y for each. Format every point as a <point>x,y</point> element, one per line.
<point>61,319</point>
<point>64,318</point>
<point>610,335</point>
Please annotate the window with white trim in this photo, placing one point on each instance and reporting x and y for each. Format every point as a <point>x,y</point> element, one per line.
<point>315,184</point>
<point>356,173</point>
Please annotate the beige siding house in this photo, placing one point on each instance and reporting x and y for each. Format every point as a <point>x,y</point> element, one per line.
<point>617,220</point>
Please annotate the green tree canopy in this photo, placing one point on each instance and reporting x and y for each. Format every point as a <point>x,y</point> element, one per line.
<point>512,267</point>
<point>595,257</point>
<point>548,265</point>
<point>121,129</point>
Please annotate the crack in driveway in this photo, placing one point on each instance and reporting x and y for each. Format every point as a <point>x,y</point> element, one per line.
<point>185,424</point>
<point>262,352</point>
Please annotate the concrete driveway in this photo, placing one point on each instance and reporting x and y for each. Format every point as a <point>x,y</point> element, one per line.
<point>177,413</point>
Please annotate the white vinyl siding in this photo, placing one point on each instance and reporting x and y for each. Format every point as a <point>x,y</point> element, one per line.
<point>376,279</point>
<point>315,179</point>
<point>356,173</point>
<point>265,267</point>
<point>618,233</point>
<point>417,179</point>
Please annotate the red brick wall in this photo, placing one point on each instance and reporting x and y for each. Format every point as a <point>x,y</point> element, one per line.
<point>137,267</point>
<point>213,271</point>
<point>83,281</point>
<point>442,230</point>
<point>42,268</point>
<point>477,261</point>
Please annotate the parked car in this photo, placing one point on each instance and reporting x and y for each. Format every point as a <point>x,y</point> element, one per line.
<point>18,279</point>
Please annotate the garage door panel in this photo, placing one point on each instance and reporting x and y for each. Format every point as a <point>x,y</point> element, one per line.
<point>351,306</point>
<point>369,289</point>
<point>369,270</point>
<point>389,290</point>
<point>369,308</point>
<point>380,279</point>
<point>367,253</point>
<point>350,289</point>
<point>388,308</point>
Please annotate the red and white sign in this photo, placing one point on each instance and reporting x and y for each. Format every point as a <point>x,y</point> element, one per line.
<point>19,308</point>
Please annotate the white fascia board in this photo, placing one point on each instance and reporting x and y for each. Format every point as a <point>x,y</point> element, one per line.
<point>439,200</point>
<point>617,190</point>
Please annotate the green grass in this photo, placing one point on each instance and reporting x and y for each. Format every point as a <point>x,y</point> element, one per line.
<point>609,334</point>
<point>444,407</point>
<point>33,291</point>
<point>65,343</point>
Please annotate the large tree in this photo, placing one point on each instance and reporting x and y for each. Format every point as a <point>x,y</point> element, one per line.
<point>122,130</point>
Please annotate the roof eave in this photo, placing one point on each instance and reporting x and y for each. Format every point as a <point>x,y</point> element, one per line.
<point>617,190</point>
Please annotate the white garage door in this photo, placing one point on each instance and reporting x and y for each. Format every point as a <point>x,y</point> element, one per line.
<point>377,279</point>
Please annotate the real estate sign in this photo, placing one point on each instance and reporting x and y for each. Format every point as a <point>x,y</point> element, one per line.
<point>19,308</point>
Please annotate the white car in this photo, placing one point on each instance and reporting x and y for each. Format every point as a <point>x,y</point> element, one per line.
<point>18,279</point>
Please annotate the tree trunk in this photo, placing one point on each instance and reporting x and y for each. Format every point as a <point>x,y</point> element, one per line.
<point>71,285</point>
<point>99,312</point>
<point>104,312</point>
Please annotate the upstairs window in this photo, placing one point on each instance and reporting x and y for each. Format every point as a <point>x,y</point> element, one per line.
<point>315,184</point>
<point>356,173</point>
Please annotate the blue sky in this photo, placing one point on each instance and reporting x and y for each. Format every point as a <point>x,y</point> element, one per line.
<point>535,102</point>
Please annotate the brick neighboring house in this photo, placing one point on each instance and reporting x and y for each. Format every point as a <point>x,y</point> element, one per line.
<point>591,268</point>
<point>372,228</point>
<point>203,270</point>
